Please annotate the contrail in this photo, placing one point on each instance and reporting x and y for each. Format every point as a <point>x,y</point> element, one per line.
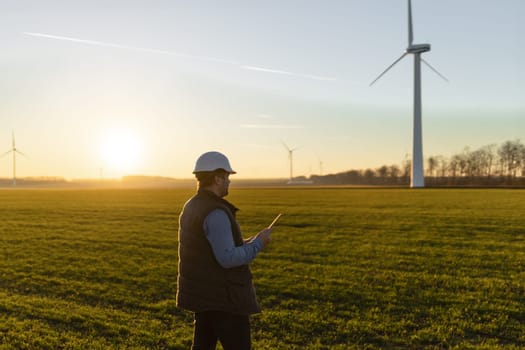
<point>126,47</point>
<point>276,71</point>
<point>178,54</point>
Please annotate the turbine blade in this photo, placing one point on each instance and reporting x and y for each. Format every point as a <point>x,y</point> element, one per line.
<point>286,146</point>
<point>6,153</point>
<point>435,70</point>
<point>410,31</point>
<point>386,70</point>
<point>17,151</point>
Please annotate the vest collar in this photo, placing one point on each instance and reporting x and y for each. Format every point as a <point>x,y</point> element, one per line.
<point>212,196</point>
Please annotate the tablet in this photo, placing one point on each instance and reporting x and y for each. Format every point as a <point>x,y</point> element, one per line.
<point>275,220</point>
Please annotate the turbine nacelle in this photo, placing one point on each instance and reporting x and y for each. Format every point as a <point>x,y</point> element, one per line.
<point>418,48</point>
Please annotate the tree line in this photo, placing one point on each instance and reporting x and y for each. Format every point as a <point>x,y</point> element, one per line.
<point>491,165</point>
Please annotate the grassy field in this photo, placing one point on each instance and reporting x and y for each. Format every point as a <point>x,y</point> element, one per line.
<point>347,268</point>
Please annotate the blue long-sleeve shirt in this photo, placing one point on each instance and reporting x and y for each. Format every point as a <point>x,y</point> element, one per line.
<point>218,230</point>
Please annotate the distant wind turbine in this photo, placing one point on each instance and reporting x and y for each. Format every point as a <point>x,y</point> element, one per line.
<point>417,178</point>
<point>14,151</point>
<point>290,157</point>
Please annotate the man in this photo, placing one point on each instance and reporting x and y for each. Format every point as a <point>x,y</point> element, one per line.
<point>214,278</point>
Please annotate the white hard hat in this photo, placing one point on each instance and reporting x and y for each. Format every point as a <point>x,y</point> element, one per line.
<point>211,161</point>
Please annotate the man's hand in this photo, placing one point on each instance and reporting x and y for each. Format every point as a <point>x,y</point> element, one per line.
<point>264,235</point>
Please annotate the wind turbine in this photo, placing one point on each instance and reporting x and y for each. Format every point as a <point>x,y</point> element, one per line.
<point>290,156</point>
<point>417,178</point>
<point>14,151</point>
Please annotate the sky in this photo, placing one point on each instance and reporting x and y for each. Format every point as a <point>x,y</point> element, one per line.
<point>111,88</point>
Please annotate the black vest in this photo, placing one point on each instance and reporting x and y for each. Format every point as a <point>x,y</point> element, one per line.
<point>204,285</point>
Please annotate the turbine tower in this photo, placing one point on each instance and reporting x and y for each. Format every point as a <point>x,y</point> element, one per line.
<point>417,178</point>
<point>14,151</point>
<point>290,156</point>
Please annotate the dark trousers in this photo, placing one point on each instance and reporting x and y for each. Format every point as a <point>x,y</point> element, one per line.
<point>233,331</point>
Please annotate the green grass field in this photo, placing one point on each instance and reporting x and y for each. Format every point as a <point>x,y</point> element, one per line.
<point>347,268</point>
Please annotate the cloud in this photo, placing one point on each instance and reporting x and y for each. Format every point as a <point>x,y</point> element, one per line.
<point>255,145</point>
<point>264,116</point>
<point>271,126</point>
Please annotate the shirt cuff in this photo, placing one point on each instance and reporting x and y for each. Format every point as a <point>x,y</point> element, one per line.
<point>258,244</point>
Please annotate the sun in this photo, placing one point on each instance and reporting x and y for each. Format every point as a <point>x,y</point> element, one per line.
<point>121,150</point>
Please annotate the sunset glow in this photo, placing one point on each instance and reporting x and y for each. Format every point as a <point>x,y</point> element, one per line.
<point>121,150</point>
<point>93,90</point>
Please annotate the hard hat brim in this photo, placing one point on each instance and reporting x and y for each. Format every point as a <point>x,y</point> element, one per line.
<point>231,172</point>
